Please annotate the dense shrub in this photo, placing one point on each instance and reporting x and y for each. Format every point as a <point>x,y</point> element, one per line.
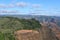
<point>8,25</point>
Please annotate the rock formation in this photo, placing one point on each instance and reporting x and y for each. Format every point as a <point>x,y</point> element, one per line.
<point>27,35</point>
<point>43,34</point>
<point>46,33</point>
<point>56,29</point>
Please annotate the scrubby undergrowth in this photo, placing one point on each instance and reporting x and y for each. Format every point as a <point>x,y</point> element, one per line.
<point>8,25</point>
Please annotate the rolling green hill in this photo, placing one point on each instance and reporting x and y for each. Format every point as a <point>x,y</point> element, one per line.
<point>8,25</point>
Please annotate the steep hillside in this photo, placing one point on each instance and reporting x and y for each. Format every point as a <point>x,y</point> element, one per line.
<point>15,23</point>
<point>56,29</point>
<point>45,33</point>
<point>8,25</point>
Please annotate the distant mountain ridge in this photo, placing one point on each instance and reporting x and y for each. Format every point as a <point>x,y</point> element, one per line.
<point>40,18</point>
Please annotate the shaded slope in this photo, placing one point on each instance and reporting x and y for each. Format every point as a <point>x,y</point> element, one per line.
<point>56,29</point>
<point>46,33</point>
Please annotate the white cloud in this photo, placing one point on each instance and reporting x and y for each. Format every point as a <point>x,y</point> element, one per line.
<point>45,12</point>
<point>6,6</point>
<point>8,11</point>
<point>21,4</point>
<point>36,5</point>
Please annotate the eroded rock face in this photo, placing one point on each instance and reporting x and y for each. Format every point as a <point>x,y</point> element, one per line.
<point>43,34</point>
<point>56,29</point>
<point>47,34</point>
<point>27,35</point>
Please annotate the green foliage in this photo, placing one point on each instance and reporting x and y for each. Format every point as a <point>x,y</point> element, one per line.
<point>8,25</point>
<point>1,36</point>
<point>30,24</point>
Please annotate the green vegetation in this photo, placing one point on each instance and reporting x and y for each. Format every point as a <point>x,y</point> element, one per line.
<point>8,25</point>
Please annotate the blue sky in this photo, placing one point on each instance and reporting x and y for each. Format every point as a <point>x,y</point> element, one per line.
<point>30,7</point>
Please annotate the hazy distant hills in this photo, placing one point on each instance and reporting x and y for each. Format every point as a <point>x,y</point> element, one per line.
<point>40,18</point>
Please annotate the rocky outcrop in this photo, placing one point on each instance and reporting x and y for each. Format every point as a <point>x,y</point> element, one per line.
<point>43,34</point>
<point>46,33</point>
<point>56,29</point>
<point>27,35</point>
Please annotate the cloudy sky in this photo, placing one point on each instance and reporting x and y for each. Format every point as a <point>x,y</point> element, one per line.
<point>30,7</point>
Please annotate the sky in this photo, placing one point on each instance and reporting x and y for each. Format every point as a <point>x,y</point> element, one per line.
<point>30,7</point>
